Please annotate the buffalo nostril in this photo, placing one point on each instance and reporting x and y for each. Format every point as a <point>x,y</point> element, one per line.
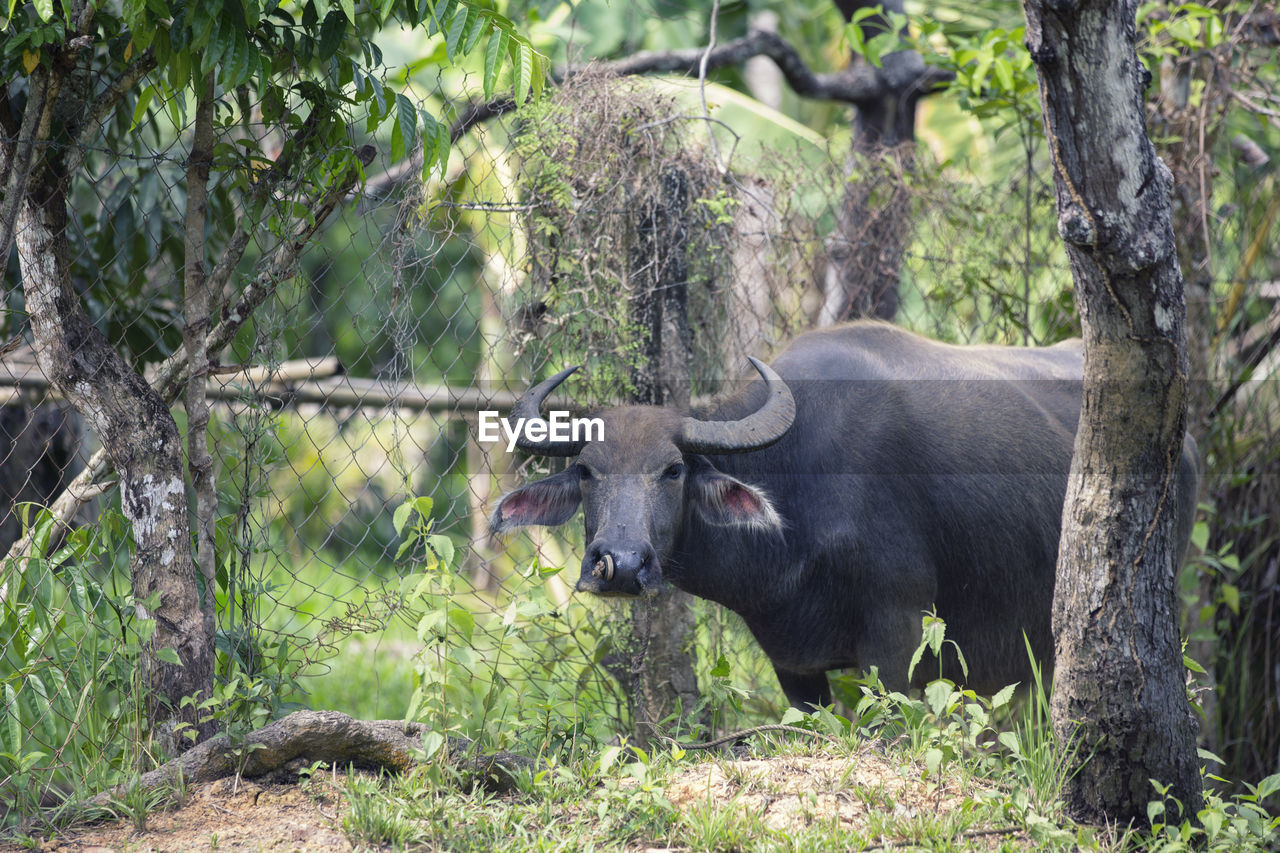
<point>603,568</point>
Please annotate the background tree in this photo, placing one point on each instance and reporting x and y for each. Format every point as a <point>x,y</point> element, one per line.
<point>1118,693</point>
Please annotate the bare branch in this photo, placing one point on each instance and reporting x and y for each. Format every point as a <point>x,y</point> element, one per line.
<point>853,85</point>
<point>18,164</point>
<point>106,102</point>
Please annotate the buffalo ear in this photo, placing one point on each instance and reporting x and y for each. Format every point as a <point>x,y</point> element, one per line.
<point>546,502</point>
<point>728,502</point>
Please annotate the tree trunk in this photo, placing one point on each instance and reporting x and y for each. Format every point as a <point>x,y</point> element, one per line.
<point>663,681</point>
<point>1119,692</point>
<point>142,440</point>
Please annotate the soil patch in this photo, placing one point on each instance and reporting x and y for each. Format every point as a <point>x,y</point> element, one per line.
<point>226,815</point>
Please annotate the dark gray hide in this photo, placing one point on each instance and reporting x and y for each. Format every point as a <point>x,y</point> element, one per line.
<point>916,474</point>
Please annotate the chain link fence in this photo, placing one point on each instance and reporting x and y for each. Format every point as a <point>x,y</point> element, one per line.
<point>587,228</point>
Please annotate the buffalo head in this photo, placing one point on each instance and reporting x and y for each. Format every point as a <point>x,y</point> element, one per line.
<point>641,484</point>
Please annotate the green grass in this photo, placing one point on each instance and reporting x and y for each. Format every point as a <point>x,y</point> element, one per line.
<point>604,802</point>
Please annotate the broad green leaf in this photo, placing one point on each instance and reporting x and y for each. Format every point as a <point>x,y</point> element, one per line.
<point>168,655</point>
<point>442,546</point>
<point>349,9</point>
<point>608,758</point>
<point>493,60</point>
<point>401,516</point>
<point>478,27</point>
<point>331,33</point>
<point>792,716</point>
<point>457,30</point>
<point>938,695</point>
<point>463,622</point>
<point>140,109</point>
<point>522,69</point>
<point>406,123</point>
<point>44,8</point>
<point>432,741</point>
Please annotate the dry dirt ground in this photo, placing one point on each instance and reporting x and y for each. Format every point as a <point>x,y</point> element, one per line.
<point>224,815</point>
<point>789,793</point>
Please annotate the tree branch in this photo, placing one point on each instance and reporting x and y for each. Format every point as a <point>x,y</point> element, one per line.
<point>102,106</point>
<point>19,161</point>
<point>197,299</point>
<point>853,85</point>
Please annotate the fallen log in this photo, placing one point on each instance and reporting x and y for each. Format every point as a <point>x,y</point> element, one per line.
<point>306,737</point>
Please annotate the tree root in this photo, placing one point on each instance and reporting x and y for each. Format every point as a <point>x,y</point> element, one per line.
<point>305,737</point>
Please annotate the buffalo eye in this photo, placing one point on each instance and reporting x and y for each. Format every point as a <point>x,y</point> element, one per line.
<point>674,471</point>
<point>585,473</point>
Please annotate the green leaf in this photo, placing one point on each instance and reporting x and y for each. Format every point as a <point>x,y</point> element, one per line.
<point>406,124</point>
<point>140,109</point>
<point>1009,741</point>
<point>721,669</point>
<point>432,741</point>
<point>331,33</point>
<point>792,716</point>
<point>522,69</point>
<point>463,622</point>
<point>442,547</point>
<point>1206,755</point>
<point>457,30</point>
<point>44,8</point>
<point>938,695</point>
<point>401,516</point>
<point>478,27</point>
<point>493,60</point>
<point>607,758</point>
<point>439,13</point>
<point>1231,597</point>
<point>349,9</point>
<point>168,656</point>
<point>1002,698</point>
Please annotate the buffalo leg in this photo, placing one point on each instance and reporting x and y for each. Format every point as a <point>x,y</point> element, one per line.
<point>805,690</point>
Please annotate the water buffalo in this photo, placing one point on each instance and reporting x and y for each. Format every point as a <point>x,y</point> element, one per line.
<point>870,475</point>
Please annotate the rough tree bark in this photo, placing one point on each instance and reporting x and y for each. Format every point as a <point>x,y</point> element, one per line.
<point>1118,689</point>
<point>140,437</point>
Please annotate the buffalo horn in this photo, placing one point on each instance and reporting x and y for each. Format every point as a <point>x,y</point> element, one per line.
<point>758,429</point>
<point>530,406</point>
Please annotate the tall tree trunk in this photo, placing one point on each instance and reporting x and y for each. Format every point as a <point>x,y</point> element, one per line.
<point>663,681</point>
<point>142,440</point>
<point>1118,690</point>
